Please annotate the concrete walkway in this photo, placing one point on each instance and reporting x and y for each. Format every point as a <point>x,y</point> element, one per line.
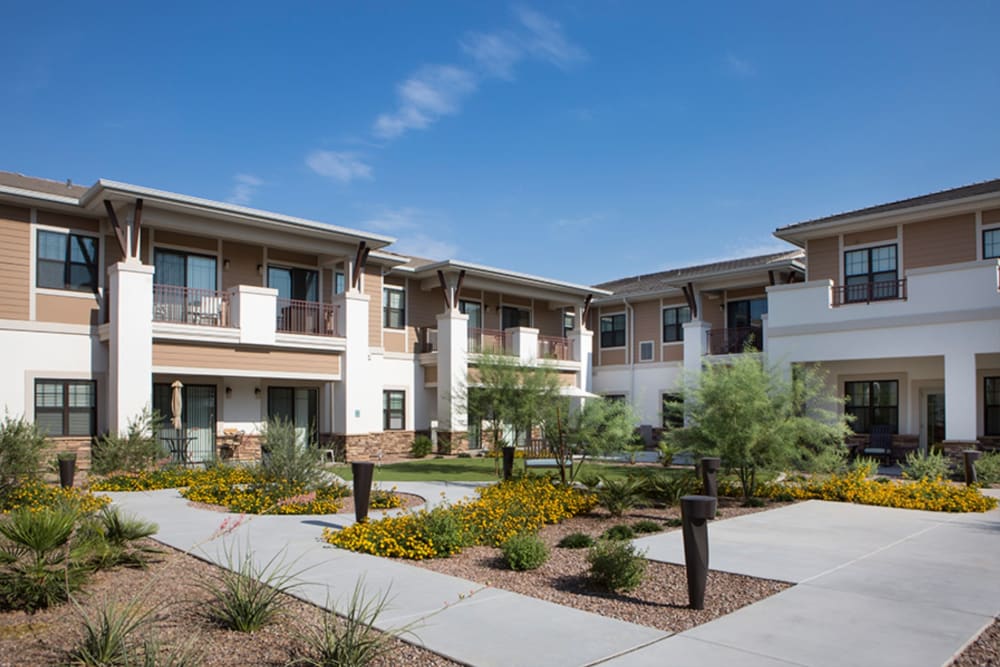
<point>875,586</point>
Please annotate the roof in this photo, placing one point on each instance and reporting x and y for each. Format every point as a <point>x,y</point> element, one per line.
<point>943,196</point>
<point>420,267</point>
<point>64,188</point>
<point>663,281</point>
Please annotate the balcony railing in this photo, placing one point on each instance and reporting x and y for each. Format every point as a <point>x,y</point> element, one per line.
<point>306,317</point>
<point>427,339</point>
<point>553,347</point>
<point>880,290</point>
<point>488,341</point>
<point>735,340</point>
<point>189,305</point>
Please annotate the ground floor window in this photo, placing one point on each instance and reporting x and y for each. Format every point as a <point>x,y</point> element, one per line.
<point>873,403</point>
<point>393,410</point>
<point>991,404</point>
<point>673,411</point>
<point>66,407</point>
<point>299,405</point>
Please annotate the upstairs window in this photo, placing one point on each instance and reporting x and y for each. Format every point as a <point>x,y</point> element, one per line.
<point>338,282</point>
<point>66,407</point>
<point>184,269</point>
<point>66,261</point>
<point>673,323</point>
<point>991,243</point>
<point>512,316</point>
<point>393,307</point>
<point>870,274</point>
<point>569,323</point>
<point>294,283</point>
<point>613,330</point>
<point>874,403</point>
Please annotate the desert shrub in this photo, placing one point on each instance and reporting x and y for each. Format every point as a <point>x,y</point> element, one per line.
<point>524,552</point>
<point>21,449</point>
<point>383,500</point>
<point>111,637</point>
<point>619,532</point>
<point>665,453</point>
<point>113,538</point>
<point>132,451</point>
<point>826,461</point>
<point>988,469</point>
<point>245,596</point>
<point>616,566</point>
<point>442,528</point>
<point>646,526</point>
<point>589,482</point>
<point>619,495</point>
<point>287,459</point>
<point>865,465</point>
<point>576,541</point>
<point>149,480</point>
<point>667,488</point>
<point>932,465</point>
<point>754,502</point>
<point>421,447</point>
<point>674,522</point>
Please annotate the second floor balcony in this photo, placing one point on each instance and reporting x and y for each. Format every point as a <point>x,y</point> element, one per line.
<point>735,340</point>
<point>512,342</point>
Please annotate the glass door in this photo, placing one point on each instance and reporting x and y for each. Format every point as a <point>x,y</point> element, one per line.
<point>195,441</point>
<point>297,405</point>
<point>933,420</point>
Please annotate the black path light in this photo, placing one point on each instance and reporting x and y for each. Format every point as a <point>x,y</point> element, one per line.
<point>695,514</point>
<point>362,472</point>
<point>971,456</point>
<point>508,463</point>
<point>710,475</point>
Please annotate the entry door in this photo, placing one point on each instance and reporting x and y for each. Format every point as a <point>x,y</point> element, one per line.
<point>932,423</point>
<point>197,418</point>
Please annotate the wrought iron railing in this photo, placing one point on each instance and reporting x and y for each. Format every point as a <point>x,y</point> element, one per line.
<point>488,341</point>
<point>553,347</point>
<point>735,340</point>
<point>189,305</point>
<point>427,339</point>
<point>307,317</point>
<point>880,290</point>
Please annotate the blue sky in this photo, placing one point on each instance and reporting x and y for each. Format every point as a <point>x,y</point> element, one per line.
<point>579,140</point>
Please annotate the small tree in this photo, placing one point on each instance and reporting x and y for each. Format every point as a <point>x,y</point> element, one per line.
<point>755,418</point>
<point>599,427</point>
<point>134,450</point>
<point>21,449</point>
<point>289,459</point>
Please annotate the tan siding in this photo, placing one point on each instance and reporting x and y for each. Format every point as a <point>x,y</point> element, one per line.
<point>823,260</point>
<point>567,378</point>
<point>395,341</point>
<point>673,352</point>
<point>491,310</point>
<point>202,243</point>
<point>68,309</point>
<point>990,217</point>
<point>244,359</point>
<point>423,307</point>
<point>50,219</point>
<point>430,374</point>
<point>647,325</point>
<point>870,236</point>
<point>243,262</point>
<point>15,252</point>
<point>942,241</point>
<point>373,288</point>
<point>713,312</point>
<point>548,321</point>
<point>514,300</point>
<point>278,255</point>
<point>112,251</point>
<point>612,357</point>
<point>745,293</point>
<point>398,281</point>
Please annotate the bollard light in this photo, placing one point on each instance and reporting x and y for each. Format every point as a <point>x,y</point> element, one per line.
<point>695,514</point>
<point>971,456</point>
<point>362,471</point>
<point>508,463</point>
<point>710,476</point>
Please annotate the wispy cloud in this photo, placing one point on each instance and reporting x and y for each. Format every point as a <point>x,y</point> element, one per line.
<point>740,67</point>
<point>341,166</point>
<point>413,228</point>
<point>392,220</point>
<point>433,91</point>
<point>495,54</point>
<point>547,41</point>
<point>244,188</point>
<point>422,245</point>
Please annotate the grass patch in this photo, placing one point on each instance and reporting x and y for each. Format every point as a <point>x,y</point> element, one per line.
<point>466,470</point>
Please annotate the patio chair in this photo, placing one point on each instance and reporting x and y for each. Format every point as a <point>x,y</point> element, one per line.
<point>879,443</point>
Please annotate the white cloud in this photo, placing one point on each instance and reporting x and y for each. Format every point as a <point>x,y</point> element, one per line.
<point>390,220</point>
<point>422,245</point>
<point>339,166</point>
<point>547,41</point>
<point>244,188</point>
<point>494,53</point>
<point>740,67</point>
<point>433,91</point>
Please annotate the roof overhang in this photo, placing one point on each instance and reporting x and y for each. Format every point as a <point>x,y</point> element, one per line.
<point>35,198</point>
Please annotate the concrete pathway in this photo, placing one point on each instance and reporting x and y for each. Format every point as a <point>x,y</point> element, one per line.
<point>875,586</point>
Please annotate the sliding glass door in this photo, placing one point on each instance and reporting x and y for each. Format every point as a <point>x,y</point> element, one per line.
<point>297,405</point>
<point>194,442</point>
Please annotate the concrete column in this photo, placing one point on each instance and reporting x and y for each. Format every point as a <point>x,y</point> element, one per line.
<point>254,313</point>
<point>695,344</point>
<point>453,371</point>
<point>960,396</point>
<point>581,343</point>
<point>358,395</point>
<point>130,342</point>
<point>525,343</point>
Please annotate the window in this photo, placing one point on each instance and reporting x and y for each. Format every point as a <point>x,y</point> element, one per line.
<point>991,243</point>
<point>569,322</point>
<point>874,403</point>
<point>613,330</point>
<point>673,411</point>
<point>182,269</point>
<point>66,261</point>
<point>991,405</point>
<point>870,274</point>
<point>393,308</point>
<point>66,407</point>
<point>615,398</point>
<point>474,310</point>
<point>338,282</point>
<point>294,283</point>
<point>297,405</point>
<point>393,410</point>
<point>646,350</point>
<point>673,323</point>
<point>512,316</point>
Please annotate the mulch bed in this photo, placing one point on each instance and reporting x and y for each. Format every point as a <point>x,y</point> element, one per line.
<point>660,602</point>
<point>984,652</point>
<point>170,585</point>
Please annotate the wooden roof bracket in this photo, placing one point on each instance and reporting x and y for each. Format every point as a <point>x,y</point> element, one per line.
<point>360,259</point>
<point>444,290</point>
<point>586,309</point>
<point>689,297</point>
<point>119,232</point>
<point>136,223</point>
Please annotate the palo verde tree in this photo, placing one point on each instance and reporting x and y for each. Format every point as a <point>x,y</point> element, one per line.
<point>755,418</point>
<point>599,427</point>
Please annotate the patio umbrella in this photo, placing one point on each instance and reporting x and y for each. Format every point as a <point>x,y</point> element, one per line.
<point>176,405</point>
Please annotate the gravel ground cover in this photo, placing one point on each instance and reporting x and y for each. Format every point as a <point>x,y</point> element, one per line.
<point>660,602</point>
<point>984,652</point>
<point>170,586</point>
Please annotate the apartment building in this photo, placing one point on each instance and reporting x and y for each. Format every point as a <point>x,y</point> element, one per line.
<point>119,297</point>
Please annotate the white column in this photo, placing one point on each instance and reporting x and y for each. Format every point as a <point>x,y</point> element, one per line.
<point>695,344</point>
<point>358,396</point>
<point>525,343</point>
<point>581,343</point>
<point>960,396</point>
<point>453,371</point>
<point>254,313</point>
<point>130,342</point>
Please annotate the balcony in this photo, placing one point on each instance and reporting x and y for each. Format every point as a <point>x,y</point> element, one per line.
<point>880,290</point>
<point>735,340</point>
<point>188,305</point>
<point>553,347</point>
<point>489,341</point>
<point>306,317</point>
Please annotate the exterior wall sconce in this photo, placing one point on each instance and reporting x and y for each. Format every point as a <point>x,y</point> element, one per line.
<point>229,392</point>
<point>260,269</point>
<point>256,392</point>
<point>225,265</point>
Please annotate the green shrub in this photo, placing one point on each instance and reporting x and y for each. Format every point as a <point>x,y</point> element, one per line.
<point>988,469</point>
<point>132,451</point>
<point>926,466</point>
<point>619,495</point>
<point>444,447</point>
<point>754,502</point>
<point>421,447</point>
<point>576,541</point>
<point>524,552</point>
<point>674,522</point>
<point>244,596</point>
<point>646,526</point>
<point>661,487</point>
<point>110,637</point>
<point>21,449</point>
<point>666,452</point>
<point>443,529</point>
<point>287,459</point>
<point>619,532</point>
<point>615,566</point>
<point>864,464</point>
<point>112,538</point>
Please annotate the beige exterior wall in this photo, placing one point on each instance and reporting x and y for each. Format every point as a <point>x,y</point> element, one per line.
<point>67,309</point>
<point>673,352</point>
<point>278,256</point>
<point>395,341</point>
<point>203,243</point>
<point>870,236</point>
<point>243,262</point>
<point>430,374</point>
<point>823,259</point>
<point>244,359</point>
<point>373,288</point>
<point>423,307</point>
<point>15,258</point>
<point>547,320</point>
<point>50,219</point>
<point>713,312</point>
<point>942,241</point>
<point>991,217</point>
<point>647,326</point>
<point>745,293</point>
<point>612,357</point>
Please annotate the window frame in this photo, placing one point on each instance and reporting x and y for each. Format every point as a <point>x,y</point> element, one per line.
<point>865,413</point>
<point>888,291</point>
<point>677,326</point>
<point>66,409</point>
<point>388,412</point>
<point>991,427</point>
<point>67,261</point>
<point>302,272</point>
<point>389,313</point>
<point>505,311</point>
<point>992,230</point>
<point>187,255</point>
<point>613,317</point>
<point>652,351</point>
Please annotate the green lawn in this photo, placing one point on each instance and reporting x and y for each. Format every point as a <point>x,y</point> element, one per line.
<point>466,470</point>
